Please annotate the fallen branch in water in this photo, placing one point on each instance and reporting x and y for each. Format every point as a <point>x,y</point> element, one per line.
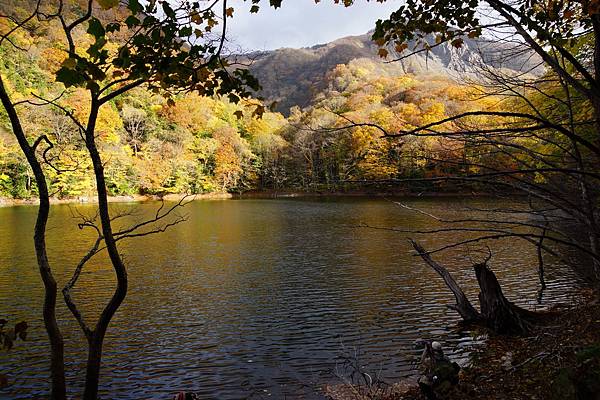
<point>496,312</point>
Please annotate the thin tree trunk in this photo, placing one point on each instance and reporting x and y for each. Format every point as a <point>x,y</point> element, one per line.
<point>96,340</point>
<point>57,366</point>
<point>541,273</point>
<point>540,256</point>
<point>94,361</point>
<point>596,102</point>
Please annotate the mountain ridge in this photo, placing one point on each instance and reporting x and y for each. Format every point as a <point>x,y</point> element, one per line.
<point>292,76</point>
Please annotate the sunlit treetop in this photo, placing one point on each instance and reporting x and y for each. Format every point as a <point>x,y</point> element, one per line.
<point>170,46</point>
<point>548,20</point>
<point>546,27</point>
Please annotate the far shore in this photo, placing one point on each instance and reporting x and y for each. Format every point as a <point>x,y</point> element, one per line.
<point>9,202</point>
<point>272,194</point>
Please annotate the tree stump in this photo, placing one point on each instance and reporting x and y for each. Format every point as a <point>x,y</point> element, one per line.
<point>496,312</point>
<point>499,314</point>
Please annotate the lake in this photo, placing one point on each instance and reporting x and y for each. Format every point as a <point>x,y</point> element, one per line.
<point>255,298</point>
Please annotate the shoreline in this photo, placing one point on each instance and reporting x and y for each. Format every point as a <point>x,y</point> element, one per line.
<point>10,202</point>
<point>356,193</point>
<point>558,360</point>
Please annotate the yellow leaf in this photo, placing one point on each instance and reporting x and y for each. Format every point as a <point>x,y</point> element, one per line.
<point>229,12</point>
<point>196,18</point>
<point>69,63</point>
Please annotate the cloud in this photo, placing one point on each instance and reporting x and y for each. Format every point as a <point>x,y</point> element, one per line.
<point>301,23</point>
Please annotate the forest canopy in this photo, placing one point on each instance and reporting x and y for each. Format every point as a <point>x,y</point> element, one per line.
<point>102,97</point>
<point>189,143</point>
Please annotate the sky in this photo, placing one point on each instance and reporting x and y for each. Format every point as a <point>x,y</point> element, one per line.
<point>302,23</point>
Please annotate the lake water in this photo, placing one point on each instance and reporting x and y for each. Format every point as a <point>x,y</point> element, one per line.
<point>254,298</point>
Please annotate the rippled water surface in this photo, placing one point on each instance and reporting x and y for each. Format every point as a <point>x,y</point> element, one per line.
<point>252,298</point>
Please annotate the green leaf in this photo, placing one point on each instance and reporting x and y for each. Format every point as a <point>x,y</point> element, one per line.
<point>168,10</point>
<point>69,77</point>
<point>123,60</point>
<point>186,31</point>
<point>135,6</point>
<point>96,72</point>
<point>132,21</point>
<point>113,27</point>
<point>95,28</point>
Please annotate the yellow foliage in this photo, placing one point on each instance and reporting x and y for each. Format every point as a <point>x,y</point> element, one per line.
<point>52,58</point>
<point>191,112</point>
<point>108,123</point>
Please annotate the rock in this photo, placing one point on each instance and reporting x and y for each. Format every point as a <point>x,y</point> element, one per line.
<point>507,360</point>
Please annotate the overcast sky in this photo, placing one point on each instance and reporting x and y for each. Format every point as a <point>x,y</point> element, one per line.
<point>301,23</point>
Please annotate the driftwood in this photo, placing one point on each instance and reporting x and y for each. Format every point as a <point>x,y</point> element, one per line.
<point>463,306</point>
<point>496,312</point>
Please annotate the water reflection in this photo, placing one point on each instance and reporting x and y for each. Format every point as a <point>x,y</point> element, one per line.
<point>252,296</point>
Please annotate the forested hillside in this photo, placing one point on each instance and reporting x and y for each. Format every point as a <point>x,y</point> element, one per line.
<point>294,77</point>
<point>200,144</point>
<point>494,102</point>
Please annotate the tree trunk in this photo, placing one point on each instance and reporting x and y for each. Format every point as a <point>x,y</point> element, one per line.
<point>497,313</point>
<point>57,367</point>
<point>92,374</point>
<point>596,100</point>
<point>96,340</point>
